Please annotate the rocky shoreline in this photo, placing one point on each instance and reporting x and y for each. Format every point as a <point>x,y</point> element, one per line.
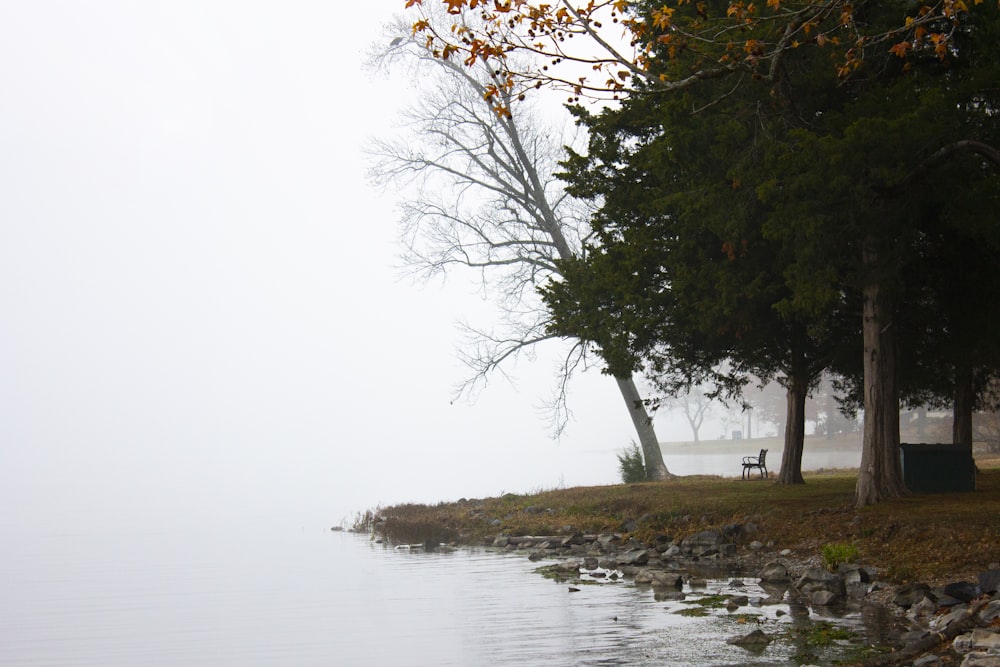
<point>929,624</point>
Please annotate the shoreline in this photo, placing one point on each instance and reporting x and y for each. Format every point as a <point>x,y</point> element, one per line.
<point>929,561</point>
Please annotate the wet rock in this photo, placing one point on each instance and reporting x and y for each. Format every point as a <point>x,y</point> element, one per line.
<point>667,580</point>
<point>989,581</point>
<point>500,541</point>
<point>666,595</point>
<point>774,572</point>
<point>740,600</point>
<point>927,661</point>
<point>535,556</point>
<point>757,639</point>
<point>590,563</point>
<point>963,590</point>
<point>572,540</point>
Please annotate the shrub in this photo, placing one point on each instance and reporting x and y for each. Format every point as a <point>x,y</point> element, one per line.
<point>630,465</point>
<point>835,554</point>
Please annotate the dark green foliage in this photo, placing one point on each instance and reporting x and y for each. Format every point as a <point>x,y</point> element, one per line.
<point>734,214</point>
<point>630,465</point>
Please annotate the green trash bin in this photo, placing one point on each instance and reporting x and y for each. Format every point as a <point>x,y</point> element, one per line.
<point>938,468</point>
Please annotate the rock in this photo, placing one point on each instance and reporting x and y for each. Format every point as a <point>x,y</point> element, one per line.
<point>785,552</point>
<point>816,580</point>
<point>774,572</point>
<point>501,541</point>
<point>978,640</point>
<point>664,595</point>
<point>757,639</point>
<point>990,612</point>
<point>667,580</point>
<point>989,581</point>
<point>740,600</point>
<point>700,542</point>
<point>909,594</point>
<point>536,556</point>
<point>590,563</point>
<point>672,551</point>
<point>824,598</point>
<point>635,557</point>
<point>963,590</point>
<point>854,574</point>
<point>942,622</point>
<point>732,531</point>
<point>922,609</point>
<point>574,539</point>
<point>756,546</point>
<point>981,660</point>
<point>927,661</point>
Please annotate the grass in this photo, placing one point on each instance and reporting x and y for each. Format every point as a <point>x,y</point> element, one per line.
<point>921,537</point>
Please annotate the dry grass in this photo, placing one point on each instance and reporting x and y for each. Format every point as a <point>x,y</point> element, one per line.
<point>927,537</point>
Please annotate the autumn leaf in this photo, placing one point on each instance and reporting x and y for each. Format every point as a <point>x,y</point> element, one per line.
<point>661,17</point>
<point>900,49</point>
<point>410,3</point>
<point>455,6</point>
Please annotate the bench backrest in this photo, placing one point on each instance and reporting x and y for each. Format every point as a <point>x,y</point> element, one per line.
<point>763,453</point>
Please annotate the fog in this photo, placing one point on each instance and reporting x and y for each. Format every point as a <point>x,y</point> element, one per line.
<point>200,311</point>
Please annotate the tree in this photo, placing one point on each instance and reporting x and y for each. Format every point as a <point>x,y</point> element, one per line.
<point>487,200</point>
<point>669,50</point>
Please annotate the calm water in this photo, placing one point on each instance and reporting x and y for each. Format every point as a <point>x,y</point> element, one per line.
<point>295,596</point>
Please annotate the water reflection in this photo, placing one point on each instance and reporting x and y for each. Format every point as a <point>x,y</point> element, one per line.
<point>286,596</point>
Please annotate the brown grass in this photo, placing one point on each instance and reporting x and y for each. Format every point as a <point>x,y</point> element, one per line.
<point>934,537</point>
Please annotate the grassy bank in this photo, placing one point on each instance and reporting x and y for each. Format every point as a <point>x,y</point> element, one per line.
<point>921,537</point>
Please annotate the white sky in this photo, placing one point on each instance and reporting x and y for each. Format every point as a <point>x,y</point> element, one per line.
<point>199,311</point>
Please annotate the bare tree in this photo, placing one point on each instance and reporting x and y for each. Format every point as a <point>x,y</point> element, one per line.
<point>485,198</point>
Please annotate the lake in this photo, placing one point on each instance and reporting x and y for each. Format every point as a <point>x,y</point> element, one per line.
<point>295,595</point>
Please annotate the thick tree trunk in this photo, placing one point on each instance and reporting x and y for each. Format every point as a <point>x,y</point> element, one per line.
<point>881,474</point>
<point>651,455</point>
<point>965,398</point>
<point>795,431</point>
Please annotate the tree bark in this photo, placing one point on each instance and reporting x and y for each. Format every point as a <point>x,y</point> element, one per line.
<point>881,474</point>
<point>652,457</point>
<point>964,401</point>
<point>795,431</point>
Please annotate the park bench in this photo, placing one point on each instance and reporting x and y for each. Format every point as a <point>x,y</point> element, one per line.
<point>751,462</point>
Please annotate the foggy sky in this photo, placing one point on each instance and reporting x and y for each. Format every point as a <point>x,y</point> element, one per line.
<point>200,314</point>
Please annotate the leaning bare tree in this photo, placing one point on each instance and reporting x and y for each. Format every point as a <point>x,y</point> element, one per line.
<point>485,198</point>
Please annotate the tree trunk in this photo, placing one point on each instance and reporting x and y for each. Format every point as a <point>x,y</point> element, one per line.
<point>965,398</point>
<point>881,475</point>
<point>651,455</point>
<point>795,431</point>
